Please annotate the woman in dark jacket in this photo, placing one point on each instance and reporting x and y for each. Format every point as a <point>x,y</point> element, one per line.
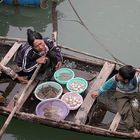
<point>38,50</point>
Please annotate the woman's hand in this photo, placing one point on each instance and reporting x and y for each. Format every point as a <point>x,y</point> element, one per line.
<point>22,79</point>
<point>41,60</point>
<point>58,65</point>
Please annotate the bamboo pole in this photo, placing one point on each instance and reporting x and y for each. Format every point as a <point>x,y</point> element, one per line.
<point>54,23</point>
<point>2,130</point>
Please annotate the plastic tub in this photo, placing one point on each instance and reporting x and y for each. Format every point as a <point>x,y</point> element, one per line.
<point>73,100</point>
<point>53,109</point>
<point>77,84</point>
<point>63,75</point>
<point>48,90</point>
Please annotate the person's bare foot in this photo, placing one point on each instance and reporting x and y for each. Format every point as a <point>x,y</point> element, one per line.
<point>2,99</point>
<point>136,133</point>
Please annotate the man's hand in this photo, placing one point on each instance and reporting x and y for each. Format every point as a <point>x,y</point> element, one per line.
<point>94,94</point>
<point>58,65</point>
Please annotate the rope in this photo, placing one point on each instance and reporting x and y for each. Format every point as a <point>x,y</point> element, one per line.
<point>93,35</point>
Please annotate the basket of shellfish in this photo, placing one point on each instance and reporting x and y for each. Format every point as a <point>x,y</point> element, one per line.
<point>77,84</point>
<point>73,100</point>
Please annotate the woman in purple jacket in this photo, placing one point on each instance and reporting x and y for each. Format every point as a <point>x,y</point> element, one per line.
<point>38,50</point>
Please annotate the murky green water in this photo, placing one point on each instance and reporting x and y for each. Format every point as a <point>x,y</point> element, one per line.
<point>20,130</point>
<point>114,24</point>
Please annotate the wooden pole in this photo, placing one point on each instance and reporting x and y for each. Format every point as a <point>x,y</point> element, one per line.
<point>18,102</point>
<point>54,23</point>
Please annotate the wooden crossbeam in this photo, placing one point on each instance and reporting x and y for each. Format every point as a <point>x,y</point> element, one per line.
<point>10,53</point>
<point>82,113</point>
<point>12,103</point>
<point>114,125</point>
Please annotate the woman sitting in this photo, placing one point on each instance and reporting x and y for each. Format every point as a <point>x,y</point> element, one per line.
<point>38,50</point>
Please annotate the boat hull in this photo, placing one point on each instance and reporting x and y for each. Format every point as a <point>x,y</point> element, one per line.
<point>78,120</point>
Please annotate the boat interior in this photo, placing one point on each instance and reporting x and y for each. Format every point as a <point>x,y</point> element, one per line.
<point>100,112</point>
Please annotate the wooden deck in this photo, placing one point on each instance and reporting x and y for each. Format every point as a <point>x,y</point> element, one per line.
<point>10,53</point>
<point>81,115</point>
<point>114,125</point>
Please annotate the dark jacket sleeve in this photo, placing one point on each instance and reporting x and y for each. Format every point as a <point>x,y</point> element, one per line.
<point>20,54</point>
<point>29,61</point>
<point>26,58</point>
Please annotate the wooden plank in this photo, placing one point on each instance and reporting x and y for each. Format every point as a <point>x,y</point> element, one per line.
<point>114,125</point>
<point>10,53</point>
<point>12,103</point>
<point>28,93</point>
<point>66,124</point>
<point>19,101</point>
<point>82,113</point>
<point>54,16</point>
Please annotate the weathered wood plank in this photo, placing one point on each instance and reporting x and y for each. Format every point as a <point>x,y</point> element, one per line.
<point>54,17</point>
<point>82,113</point>
<point>19,101</point>
<point>12,103</point>
<point>114,125</point>
<point>10,53</point>
<point>28,93</point>
<point>66,124</point>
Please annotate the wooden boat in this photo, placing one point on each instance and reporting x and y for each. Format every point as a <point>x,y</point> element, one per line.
<point>86,66</point>
<point>93,117</point>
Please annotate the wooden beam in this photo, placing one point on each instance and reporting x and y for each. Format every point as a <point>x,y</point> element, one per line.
<point>10,53</point>
<point>54,23</point>
<point>82,113</point>
<point>114,125</point>
<point>54,16</point>
<point>19,101</point>
<point>65,124</point>
<point>12,103</point>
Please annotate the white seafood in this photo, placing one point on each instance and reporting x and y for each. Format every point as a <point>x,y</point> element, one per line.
<point>72,101</point>
<point>77,86</point>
